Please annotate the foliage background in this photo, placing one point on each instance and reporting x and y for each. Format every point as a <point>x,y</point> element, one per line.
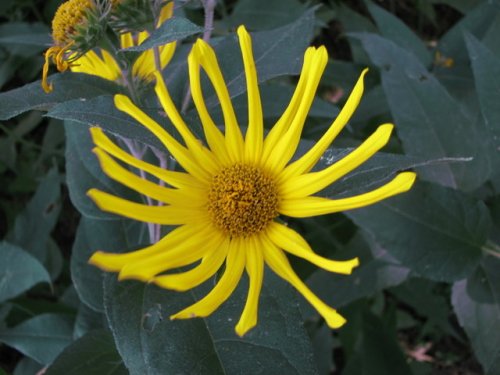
<point>426,298</point>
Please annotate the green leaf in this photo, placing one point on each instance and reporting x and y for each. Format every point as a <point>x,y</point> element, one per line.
<point>175,28</point>
<point>476,302</point>
<point>111,235</point>
<point>27,366</point>
<point>34,224</point>
<point>41,338</point>
<point>83,172</point>
<point>377,271</point>
<point>101,111</point>
<point>428,120</point>
<point>94,353</point>
<point>150,343</point>
<point>19,271</point>
<point>435,231</point>
<point>67,86</point>
<point>265,14</point>
<point>380,352</point>
<point>486,68</point>
<point>392,28</point>
<point>24,39</point>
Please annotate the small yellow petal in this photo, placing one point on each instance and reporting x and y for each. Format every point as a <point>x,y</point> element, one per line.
<point>293,243</point>
<point>166,215</point>
<point>254,136</point>
<point>182,254</point>
<point>173,178</point>
<point>185,159</point>
<point>278,262</point>
<point>310,183</point>
<point>309,159</point>
<point>112,262</point>
<point>255,271</point>
<point>235,263</point>
<point>209,265</point>
<point>314,206</point>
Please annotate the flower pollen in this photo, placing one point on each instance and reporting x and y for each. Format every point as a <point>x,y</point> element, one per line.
<point>68,16</point>
<point>243,200</point>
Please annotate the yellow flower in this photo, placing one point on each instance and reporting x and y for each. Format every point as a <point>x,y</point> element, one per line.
<point>70,17</point>
<point>226,204</point>
<point>107,67</point>
<point>70,23</point>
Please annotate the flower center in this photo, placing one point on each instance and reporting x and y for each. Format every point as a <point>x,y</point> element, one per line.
<point>68,16</point>
<point>242,200</point>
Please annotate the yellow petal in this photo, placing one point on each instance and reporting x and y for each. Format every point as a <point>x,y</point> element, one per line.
<point>214,137</point>
<point>179,152</point>
<point>293,243</point>
<point>286,146</point>
<point>314,206</point>
<point>91,63</point>
<point>205,56</point>
<point>185,197</point>
<point>310,183</point>
<point>112,262</point>
<point>278,262</point>
<point>182,254</point>
<point>255,131</point>
<point>282,125</point>
<point>235,263</point>
<point>310,158</point>
<point>173,178</point>
<point>255,271</point>
<point>192,143</point>
<point>209,265</point>
<point>166,215</point>
<point>126,40</point>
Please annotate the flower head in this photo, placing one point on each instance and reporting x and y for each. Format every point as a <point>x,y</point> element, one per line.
<point>227,201</point>
<point>103,64</point>
<point>69,30</point>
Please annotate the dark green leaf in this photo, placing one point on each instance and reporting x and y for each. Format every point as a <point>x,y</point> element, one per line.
<point>377,271</point>
<point>83,172</point>
<point>41,338</point>
<point>24,39</point>
<point>27,366</point>
<point>480,318</point>
<point>33,226</point>
<point>435,231</point>
<point>175,28</point>
<point>381,354</point>
<point>486,68</point>
<point>92,235</point>
<point>428,120</point>
<point>67,86</point>
<point>265,14</point>
<point>94,353</point>
<point>19,271</point>
<point>395,30</point>
<point>150,343</point>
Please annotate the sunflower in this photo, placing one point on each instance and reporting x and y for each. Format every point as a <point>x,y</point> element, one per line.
<point>226,203</point>
<point>103,64</point>
<point>70,27</point>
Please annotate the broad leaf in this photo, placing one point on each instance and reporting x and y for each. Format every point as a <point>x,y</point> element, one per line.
<point>428,120</point>
<point>67,86</point>
<point>476,302</point>
<point>109,235</point>
<point>19,271</point>
<point>41,338</point>
<point>33,225</point>
<point>435,231</point>
<point>486,68</point>
<point>394,29</point>
<point>150,343</point>
<point>94,353</point>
